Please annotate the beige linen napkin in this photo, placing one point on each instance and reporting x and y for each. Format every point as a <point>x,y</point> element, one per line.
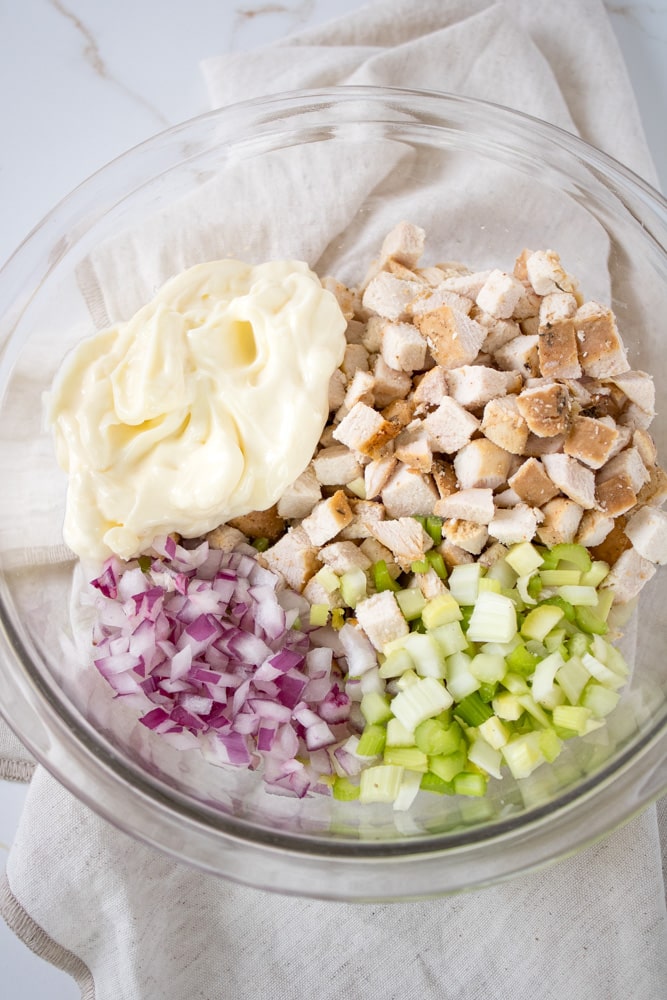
<point>130,924</point>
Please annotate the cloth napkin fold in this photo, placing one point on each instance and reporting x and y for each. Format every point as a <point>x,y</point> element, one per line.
<point>130,924</point>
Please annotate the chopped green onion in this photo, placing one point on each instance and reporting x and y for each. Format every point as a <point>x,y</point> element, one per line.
<point>382,578</point>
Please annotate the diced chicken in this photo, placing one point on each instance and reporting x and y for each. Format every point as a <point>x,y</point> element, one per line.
<point>492,554</point>
<point>404,243</point>
<point>431,275</point>
<point>327,439</point>
<point>390,296</point>
<point>514,524</point>
<point>615,495</point>
<point>344,556</point>
<point>372,337</point>
<point>466,283</point>
<point>469,505</point>
<point>594,528</point>
<point>401,271</point>
<point>337,389</point>
<point>444,477</point>
<point>430,584</point>
<point>555,307</point>
<point>430,390</point>
<point>381,619</point>
<point>546,273</point>
<point>562,518</point>
<point>412,447</point>
<point>499,294</point>
<point>260,524</point>
<point>628,575</point>
<point>299,499</point>
<point>531,483</point>
<point>450,427</point>
<point>346,298</point>
<point>634,417</point>
<point>377,552</point>
<point>365,514</point>
<point>355,359</point>
<point>389,383</point>
<point>629,464</point>
<point>327,518</point>
<point>520,269</point>
<point>405,538</point>
<point>225,538</point>
<point>519,355</point>
<point>336,466</point>
<point>507,498</point>
<point>360,390</point>
<point>294,557</point>
<point>590,441</point>
<point>654,492</point>
<point>453,338</point>
<point>467,535</point>
<point>408,491</point>
<point>639,389</point>
<point>557,346</point>
<point>601,350</point>
<point>536,446</point>
<point>403,347</point>
<point>376,474</point>
<point>355,331</point>
<point>645,445</point>
<point>474,385</point>
<point>624,435</point>
<point>454,555</point>
<point>614,544</point>
<point>315,593</point>
<point>499,331</point>
<point>572,478</point>
<point>527,308</point>
<point>430,299</point>
<point>365,430</point>
<point>647,530</point>
<point>482,464</point>
<point>545,408</point>
<point>530,326</point>
<point>400,412</point>
<point>503,424</point>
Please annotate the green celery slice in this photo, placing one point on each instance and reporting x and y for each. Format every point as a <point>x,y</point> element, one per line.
<point>473,710</point>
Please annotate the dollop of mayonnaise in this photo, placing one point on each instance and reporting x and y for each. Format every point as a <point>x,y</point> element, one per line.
<point>204,406</point>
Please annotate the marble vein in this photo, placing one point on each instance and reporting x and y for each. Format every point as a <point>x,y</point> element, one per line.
<point>298,14</point>
<point>93,56</point>
<point>637,12</point>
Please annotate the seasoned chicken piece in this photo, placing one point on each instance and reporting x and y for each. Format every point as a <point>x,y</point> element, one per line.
<point>654,492</point>
<point>482,464</point>
<point>454,555</point>
<point>327,518</point>
<point>389,296</point>
<point>572,478</point>
<point>337,389</point>
<point>465,282</point>
<point>389,384</point>
<point>408,491</point>
<point>647,530</point>
<point>639,388</point>
<point>372,336</point>
<point>412,447</point>
<point>492,554</point>
<point>430,299</point>
<point>444,477</point>
<point>260,524</point>
<point>469,505</point>
<point>364,430</point>
<point>474,385</point>
<point>344,556</point>
<point>531,483</point>
<point>336,466</point>
<point>546,273</point>
<point>519,355</point>
<point>449,427</point>
<point>594,528</point>
<point>381,619</point>
<point>355,331</point>
<point>500,331</point>
<point>225,538</point>
<point>628,464</point>
<point>453,338</point>
<point>376,474</point>
<point>503,424</point>
<point>628,575</point>
<point>536,446</point>
<point>405,538</point>
<point>615,495</point>
<point>499,294</point>
<point>400,412</point>
<point>346,298</point>
<point>359,390</point>
<point>468,535</point>
<point>404,243</point>
<point>355,359</point>
<point>645,445</point>
<point>561,521</point>
<point>299,499</point>
<point>514,524</point>
<point>545,408</point>
<point>365,514</point>
<point>601,350</point>
<point>557,345</point>
<point>430,584</point>
<point>315,593</point>
<point>591,441</point>
<point>613,544</point>
<point>430,390</point>
<point>403,347</point>
<point>294,557</point>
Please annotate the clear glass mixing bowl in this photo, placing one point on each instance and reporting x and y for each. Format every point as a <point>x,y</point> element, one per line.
<point>319,176</point>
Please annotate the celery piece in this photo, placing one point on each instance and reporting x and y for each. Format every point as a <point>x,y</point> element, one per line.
<point>353,586</point>
<point>578,596</point>
<point>396,663</point>
<point>568,552</point>
<point>420,566</point>
<point>398,735</point>
<point>613,657</point>
<point>450,638</point>
<point>515,683</point>
<point>372,741</point>
<point>605,601</point>
<point>559,577</point>
<point>494,732</point>
<point>486,757</point>
<point>555,640</point>
<point>602,673</point>
<point>550,745</point>
<point>492,585</point>
<point>521,661</point>
<point>572,678</point>
<point>472,710</point>
<point>578,644</point>
<point>470,784</point>
<point>327,579</point>
<point>145,563</point>
<point>523,754</point>
<point>534,586</point>
<point>337,618</point>
<point>375,708</point>
<point>571,717</point>
<point>503,572</point>
<point>430,782</point>
<point>380,783</point>
<point>464,582</point>
<point>417,626</point>
<point>487,692</point>
<point>506,706</point>
<point>493,619</point>
<point>434,739</point>
<point>411,758</point>
<point>421,518</point>
<point>539,622</point>
<point>407,793</point>
<point>319,615</point>
<point>557,602</point>
<point>422,700</point>
<point>426,654</point>
<point>344,790</point>
<point>447,766</point>
<point>437,563</point>
<point>411,602</point>
<point>524,558</point>
<point>596,574</point>
<point>261,544</point>
<point>382,578</point>
<point>407,679</point>
<point>534,709</point>
<point>588,621</point>
<point>358,487</point>
<point>489,668</point>
<point>460,682</point>
<point>433,527</point>
<point>544,676</point>
<point>441,610</point>
<point>599,700</point>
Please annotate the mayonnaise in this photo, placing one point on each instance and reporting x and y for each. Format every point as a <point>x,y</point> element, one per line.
<point>204,406</point>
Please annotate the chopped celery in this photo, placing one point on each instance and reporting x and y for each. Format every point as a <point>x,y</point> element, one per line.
<point>447,766</point>
<point>596,574</point>
<point>507,706</point>
<point>437,563</point>
<point>372,741</point>
<point>559,577</point>
<point>522,661</point>
<point>534,586</point>
<point>494,732</point>
<point>572,677</point>
<point>422,700</point>
<point>434,739</point>
<point>599,700</point>
<point>375,707</point>
<point>145,563</point>
<point>430,782</point>
<point>407,793</point>
<point>261,544</point>
<point>427,656</point>
<point>613,658</point>
<point>382,578</point>
<point>473,710</point>
<point>327,579</point>
<point>398,735</point>
<point>602,673</point>
<point>568,552</point>
<point>464,582</point>
<point>492,585</point>
<point>407,679</point>
<point>344,790</point>
<point>515,683</point>
<point>450,638</point>
<point>545,673</point>
<point>411,758</point>
<point>489,668</point>
<point>433,527</point>
<point>460,682</point>
<point>571,717</point>
<point>557,602</point>
<point>396,663</point>
<point>353,586</point>
<point>493,619</point>
<point>370,680</point>
<point>533,709</point>
<point>588,621</point>
<point>411,602</point>
<point>358,487</point>
<point>503,572</point>
<point>441,610</point>
<point>578,644</point>
<point>486,757</point>
<point>524,558</point>
<point>539,622</point>
<point>319,615</point>
<point>605,601</point>
<point>487,692</point>
<point>577,596</point>
<point>420,566</point>
<point>523,754</point>
<point>380,783</point>
<point>550,745</point>
<point>466,783</point>
<point>417,626</point>
<point>555,639</point>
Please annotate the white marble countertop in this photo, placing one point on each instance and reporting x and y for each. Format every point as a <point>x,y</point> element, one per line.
<point>83,80</point>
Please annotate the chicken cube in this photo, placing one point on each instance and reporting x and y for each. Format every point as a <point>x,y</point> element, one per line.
<point>499,331</point>
<point>562,518</point>
<point>474,385</point>
<point>531,483</point>
<point>594,528</point>
<point>337,389</point>
<point>412,447</point>
<point>647,530</point>
<point>344,556</point>
<point>514,524</point>
<point>453,338</point>
<point>545,408</point>
<point>365,430</point>
<point>519,355</point>
<point>294,557</point>
<point>336,466</point>
<point>404,243</point>
<point>355,359</point>
<point>628,575</point>
<point>389,296</point>
<point>450,427</point>
<point>225,538</point>
<point>645,445</point>
<point>365,514</point>
<point>572,478</point>
<point>629,464</point>
<point>299,499</point>
<point>389,384</point>
<point>405,538</point>
<point>465,282</point>
<point>474,505</point>
<point>430,390</point>
<point>654,492</point>
<point>468,535</point>
<point>639,388</point>
<point>403,347</point>
<point>372,336</point>
<point>381,619</point>
<point>482,464</point>
<point>601,350</point>
<point>454,555</point>
<point>430,299</point>
<point>557,346</point>
<point>499,294</point>
<point>260,524</point>
<point>408,491</point>
<point>346,298</point>
<point>327,518</point>
<point>591,441</point>
<point>359,390</point>
<point>503,424</point>
<point>376,474</point>
<point>546,273</point>
<point>615,495</point>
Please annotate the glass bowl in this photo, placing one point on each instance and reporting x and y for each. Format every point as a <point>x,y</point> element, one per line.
<point>319,176</point>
